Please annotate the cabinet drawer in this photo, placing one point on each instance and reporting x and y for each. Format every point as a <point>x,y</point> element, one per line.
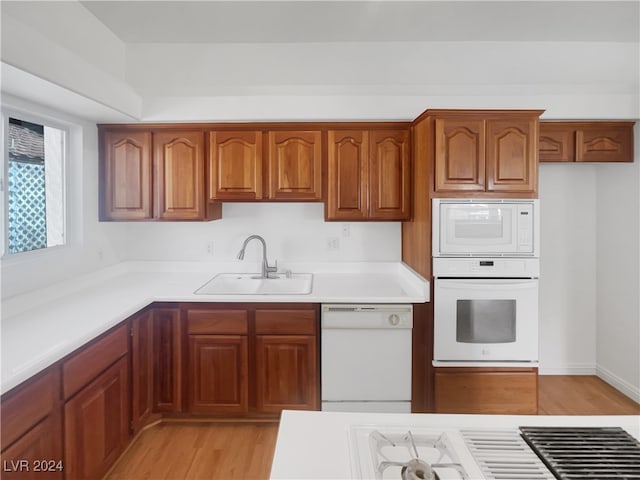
<point>485,390</point>
<point>88,363</point>
<point>28,405</point>
<point>286,322</point>
<point>203,322</point>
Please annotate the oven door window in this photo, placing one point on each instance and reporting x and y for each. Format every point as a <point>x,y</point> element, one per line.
<point>486,321</point>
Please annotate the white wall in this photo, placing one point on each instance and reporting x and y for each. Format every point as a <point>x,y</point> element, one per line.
<point>567,269</point>
<point>294,232</point>
<point>618,274</point>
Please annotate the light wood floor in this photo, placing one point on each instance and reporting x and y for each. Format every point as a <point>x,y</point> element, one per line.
<point>244,451</point>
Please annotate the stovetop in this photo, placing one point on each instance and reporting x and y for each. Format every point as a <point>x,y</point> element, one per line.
<point>531,453</point>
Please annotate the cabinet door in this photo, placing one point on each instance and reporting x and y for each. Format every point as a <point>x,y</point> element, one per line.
<point>218,374</point>
<point>36,455</point>
<point>512,155</point>
<point>459,155</point>
<point>287,373</point>
<point>295,165</point>
<point>179,160</point>
<point>348,172</point>
<point>167,355</point>
<point>97,424</point>
<point>141,369</point>
<point>235,165</point>
<point>389,175</point>
<point>557,142</point>
<point>604,142</point>
<point>127,176</point>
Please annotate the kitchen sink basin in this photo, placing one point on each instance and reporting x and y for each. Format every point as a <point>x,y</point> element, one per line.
<point>253,284</point>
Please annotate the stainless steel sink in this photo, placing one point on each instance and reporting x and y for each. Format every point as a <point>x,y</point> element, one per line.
<point>254,284</point>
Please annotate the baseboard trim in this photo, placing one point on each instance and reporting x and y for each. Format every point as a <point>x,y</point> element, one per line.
<point>569,370</point>
<point>631,391</point>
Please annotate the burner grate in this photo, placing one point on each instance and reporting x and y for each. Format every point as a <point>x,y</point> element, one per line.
<point>586,452</point>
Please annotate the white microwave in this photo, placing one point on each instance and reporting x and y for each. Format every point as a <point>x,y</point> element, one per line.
<point>486,227</point>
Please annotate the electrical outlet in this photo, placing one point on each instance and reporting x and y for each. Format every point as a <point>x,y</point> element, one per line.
<point>210,248</point>
<point>346,230</point>
<point>333,243</point>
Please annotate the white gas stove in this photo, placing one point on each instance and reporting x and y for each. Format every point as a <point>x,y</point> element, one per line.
<point>347,446</point>
<point>409,453</point>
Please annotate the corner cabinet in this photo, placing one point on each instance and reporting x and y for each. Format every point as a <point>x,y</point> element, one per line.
<point>485,152</point>
<point>369,173</point>
<point>148,174</point>
<point>586,141</point>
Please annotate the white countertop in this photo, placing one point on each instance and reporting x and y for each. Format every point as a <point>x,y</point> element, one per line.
<point>41,327</point>
<point>316,445</point>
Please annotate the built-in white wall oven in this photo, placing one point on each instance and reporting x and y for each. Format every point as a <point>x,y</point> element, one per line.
<point>486,269</point>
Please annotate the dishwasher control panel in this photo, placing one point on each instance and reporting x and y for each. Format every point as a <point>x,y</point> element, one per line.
<point>367,316</point>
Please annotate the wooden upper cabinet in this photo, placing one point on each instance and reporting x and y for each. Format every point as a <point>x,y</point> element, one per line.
<point>348,171</point>
<point>127,176</point>
<point>586,142</point>
<point>485,152</point>
<point>460,154</point>
<point>235,165</point>
<point>512,164</point>
<point>369,175</point>
<point>389,175</point>
<point>153,175</point>
<point>294,165</point>
<point>179,158</point>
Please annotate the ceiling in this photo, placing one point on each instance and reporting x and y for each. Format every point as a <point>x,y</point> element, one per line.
<point>367,21</point>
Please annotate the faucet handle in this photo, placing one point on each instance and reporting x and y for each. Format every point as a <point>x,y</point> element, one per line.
<point>274,268</point>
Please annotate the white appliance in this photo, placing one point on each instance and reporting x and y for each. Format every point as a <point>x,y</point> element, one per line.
<point>486,319</point>
<point>527,452</point>
<point>486,267</point>
<point>366,358</point>
<point>487,227</point>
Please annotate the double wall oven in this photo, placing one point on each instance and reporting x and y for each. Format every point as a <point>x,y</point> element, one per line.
<point>486,269</point>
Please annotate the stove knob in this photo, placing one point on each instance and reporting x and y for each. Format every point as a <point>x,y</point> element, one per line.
<point>394,319</point>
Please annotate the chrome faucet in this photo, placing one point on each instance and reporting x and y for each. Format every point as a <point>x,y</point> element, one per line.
<point>266,269</point>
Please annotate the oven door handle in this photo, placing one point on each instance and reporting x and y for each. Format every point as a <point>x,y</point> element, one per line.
<point>486,284</point>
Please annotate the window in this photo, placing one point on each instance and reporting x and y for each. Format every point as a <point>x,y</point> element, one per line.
<point>35,185</point>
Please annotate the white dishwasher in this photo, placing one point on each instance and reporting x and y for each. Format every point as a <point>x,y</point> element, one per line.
<point>366,358</point>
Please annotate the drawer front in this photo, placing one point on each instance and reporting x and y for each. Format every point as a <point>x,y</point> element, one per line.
<point>203,322</point>
<point>88,363</point>
<point>286,322</point>
<point>28,405</point>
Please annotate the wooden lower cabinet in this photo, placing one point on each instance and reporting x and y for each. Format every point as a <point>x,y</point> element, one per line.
<point>252,360</point>
<point>36,455</point>
<point>141,369</point>
<point>97,424</point>
<point>218,374</point>
<point>486,390</point>
<point>287,373</point>
<point>167,360</point>
<point>32,429</point>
